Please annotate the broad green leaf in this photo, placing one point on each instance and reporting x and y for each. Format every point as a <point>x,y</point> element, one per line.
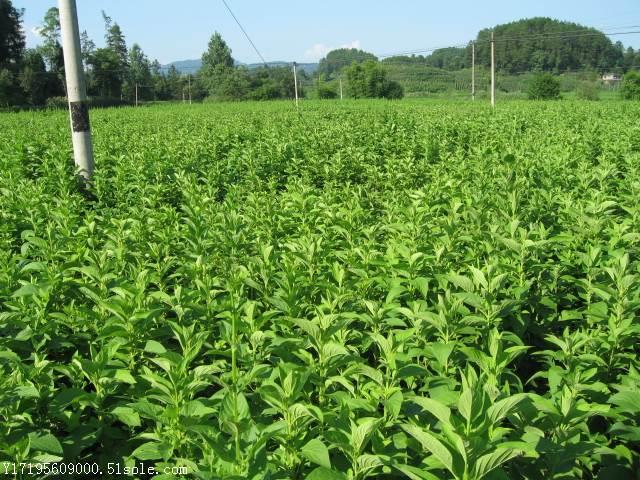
<point>504,407</point>
<point>361,433</point>
<point>490,461</point>
<point>127,415</point>
<point>316,452</point>
<point>195,408</point>
<point>235,407</point>
<point>628,401</point>
<point>323,473</point>
<point>27,290</point>
<point>432,444</point>
<point>435,408</point>
<point>394,403</point>
<point>46,443</point>
<point>27,391</point>
<point>415,473</point>
<point>479,277</point>
<point>461,281</point>
<point>465,404</point>
<point>154,347</point>
<point>124,376</point>
<point>149,451</point>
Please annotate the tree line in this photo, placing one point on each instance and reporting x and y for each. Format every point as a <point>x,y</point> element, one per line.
<point>118,73</point>
<point>535,45</point>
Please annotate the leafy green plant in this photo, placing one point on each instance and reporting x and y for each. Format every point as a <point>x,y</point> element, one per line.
<point>630,89</point>
<point>369,290</point>
<point>544,86</point>
<point>587,90</point>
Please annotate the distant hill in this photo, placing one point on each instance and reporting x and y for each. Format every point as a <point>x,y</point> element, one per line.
<point>532,44</point>
<point>183,66</point>
<point>192,66</point>
<point>336,60</point>
<point>550,45</point>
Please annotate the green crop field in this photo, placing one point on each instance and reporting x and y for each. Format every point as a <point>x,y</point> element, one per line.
<point>412,290</point>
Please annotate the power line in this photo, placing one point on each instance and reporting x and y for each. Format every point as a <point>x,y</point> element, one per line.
<point>563,36</point>
<point>558,35</point>
<point>245,33</point>
<point>413,52</point>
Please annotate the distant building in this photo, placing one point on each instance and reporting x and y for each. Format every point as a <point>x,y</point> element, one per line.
<point>611,78</point>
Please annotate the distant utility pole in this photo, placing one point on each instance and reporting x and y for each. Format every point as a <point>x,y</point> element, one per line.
<point>473,71</point>
<point>189,77</point>
<point>136,94</point>
<point>493,69</point>
<point>295,83</point>
<point>340,88</point>
<point>76,89</point>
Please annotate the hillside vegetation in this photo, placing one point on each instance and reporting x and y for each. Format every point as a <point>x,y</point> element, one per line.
<point>535,44</point>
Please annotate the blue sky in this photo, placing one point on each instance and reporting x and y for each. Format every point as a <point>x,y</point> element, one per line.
<point>305,31</point>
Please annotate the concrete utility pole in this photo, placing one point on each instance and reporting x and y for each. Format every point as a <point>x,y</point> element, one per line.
<point>340,88</point>
<point>493,70</point>
<point>189,77</point>
<point>295,83</point>
<point>76,89</point>
<point>473,71</point>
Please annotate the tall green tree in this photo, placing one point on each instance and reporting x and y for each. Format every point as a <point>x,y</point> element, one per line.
<point>221,78</point>
<point>159,82</point>
<point>270,83</point>
<point>115,42</point>
<point>448,59</point>
<point>369,80</point>
<point>7,87</point>
<point>51,48</point>
<point>51,51</point>
<point>630,59</point>
<point>338,59</point>
<point>87,48</point>
<point>106,80</point>
<point>174,83</point>
<point>12,40</point>
<point>34,78</point>
<point>218,55</point>
<point>12,44</point>
<point>139,73</point>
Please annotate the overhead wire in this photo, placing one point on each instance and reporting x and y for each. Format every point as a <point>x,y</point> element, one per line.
<point>245,32</point>
<point>426,76</point>
<point>558,35</point>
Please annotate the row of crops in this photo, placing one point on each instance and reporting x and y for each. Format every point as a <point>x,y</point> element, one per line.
<point>368,290</point>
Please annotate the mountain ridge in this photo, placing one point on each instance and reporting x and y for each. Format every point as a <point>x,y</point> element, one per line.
<point>192,66</point>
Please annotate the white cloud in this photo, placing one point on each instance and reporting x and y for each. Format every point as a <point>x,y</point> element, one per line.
<point>316,52</point>
<point>32,35</point>
<point>320,50</point>
<point>354,44</point>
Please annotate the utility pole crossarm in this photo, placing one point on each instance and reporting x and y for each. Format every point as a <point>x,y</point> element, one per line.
<point>76,89</point>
